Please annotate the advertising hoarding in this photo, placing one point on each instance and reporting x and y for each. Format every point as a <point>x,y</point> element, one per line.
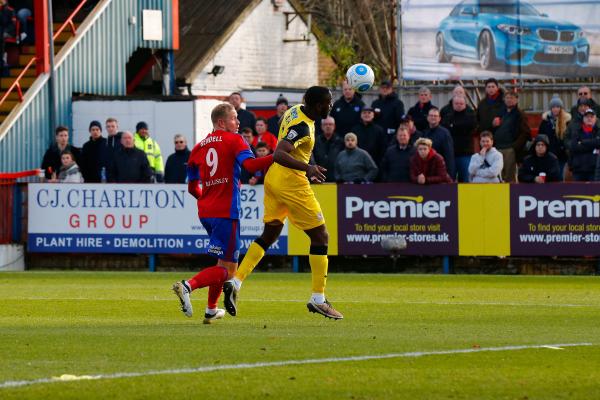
<point>135,218</point>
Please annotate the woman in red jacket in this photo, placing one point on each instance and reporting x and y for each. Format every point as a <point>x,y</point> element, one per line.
<point>427,166</point>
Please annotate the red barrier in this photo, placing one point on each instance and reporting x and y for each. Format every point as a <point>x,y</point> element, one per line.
<point>8,191</point>
<point>6,211</point>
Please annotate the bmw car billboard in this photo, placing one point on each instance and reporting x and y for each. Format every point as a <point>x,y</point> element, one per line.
<point>471,39</point>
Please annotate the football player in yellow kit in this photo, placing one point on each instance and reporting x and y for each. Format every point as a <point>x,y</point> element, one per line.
<point>288,195</point>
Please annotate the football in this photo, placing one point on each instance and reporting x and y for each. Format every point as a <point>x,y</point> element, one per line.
<point>360,77</point>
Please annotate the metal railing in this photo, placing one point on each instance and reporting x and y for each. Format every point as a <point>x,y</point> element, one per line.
<point>17,83</point>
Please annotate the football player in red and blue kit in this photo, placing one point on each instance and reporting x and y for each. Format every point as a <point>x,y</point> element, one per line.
<point>215,163</point>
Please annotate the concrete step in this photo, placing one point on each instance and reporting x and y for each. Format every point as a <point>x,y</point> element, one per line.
<point>63,37</point>
<point>13,96</point>
<point>24,59</point>
<point>8,105</point>
<point>26,82</point>
<point>16,71</point>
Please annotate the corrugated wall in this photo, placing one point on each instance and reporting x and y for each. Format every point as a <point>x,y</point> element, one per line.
<point>94,64</point>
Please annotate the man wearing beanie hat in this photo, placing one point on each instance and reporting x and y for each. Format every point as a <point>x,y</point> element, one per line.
<point>273,122</point>
<point>144,142</point>
<point>94,155</point>
<point>554,126</point>
<point>541,166</point>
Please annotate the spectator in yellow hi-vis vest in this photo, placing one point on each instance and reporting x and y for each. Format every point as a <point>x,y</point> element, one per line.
<point>144,142</point>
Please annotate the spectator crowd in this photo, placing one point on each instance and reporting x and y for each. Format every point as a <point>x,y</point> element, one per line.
<point>380,142</point>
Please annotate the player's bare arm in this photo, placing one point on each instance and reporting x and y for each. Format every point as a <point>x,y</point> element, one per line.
<point>282,156</point>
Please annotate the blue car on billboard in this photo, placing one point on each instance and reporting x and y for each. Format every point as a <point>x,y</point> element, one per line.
<point>509,32</point>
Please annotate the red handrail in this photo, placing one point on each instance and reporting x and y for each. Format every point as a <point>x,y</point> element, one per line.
<point>69,21</point>
<point>17,82</point>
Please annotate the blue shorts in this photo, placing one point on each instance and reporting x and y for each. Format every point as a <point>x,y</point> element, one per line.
<point>224,236</point>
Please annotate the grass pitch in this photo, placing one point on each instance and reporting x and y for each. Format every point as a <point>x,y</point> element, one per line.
<point>55,324</point>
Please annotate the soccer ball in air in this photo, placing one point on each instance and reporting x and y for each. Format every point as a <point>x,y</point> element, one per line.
<point>360,77</point>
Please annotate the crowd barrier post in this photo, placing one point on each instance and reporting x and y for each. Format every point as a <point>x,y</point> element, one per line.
<point>152,263</point>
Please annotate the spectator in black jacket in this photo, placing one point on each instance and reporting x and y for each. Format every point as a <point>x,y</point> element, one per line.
<point>395,166</point>
<point>441,140</point>
<point>129,164</point>
<point>388,108</point>
<point>113,139</point>
<point>94,155</point>
<point>371,136</point>
<point>51,162</point>
<point>457,91</point>
<point>246,118</point>
<point>346,110</point>
<point>584,146</point>
<point>420,111</point>
<point>541,166</point>
<point>490,107</point>
<point>273,122</point>
<point>512,132</point>
<point>461,123</point>
<point>175,169</point>
<point>327,146</point>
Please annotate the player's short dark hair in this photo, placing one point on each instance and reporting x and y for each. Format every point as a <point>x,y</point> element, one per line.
<point>434,108</point>
<point>260,145</point>
<point>69,152</point>
<point>315,95</point>
<point>263,119</point>
<point>220,112</point>
<point>60,129</point>
<point>247,130</point>
<point>486,134</point>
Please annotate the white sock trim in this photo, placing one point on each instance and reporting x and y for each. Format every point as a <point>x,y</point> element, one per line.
<point>318,298</point>
<point>211,311</point>
<point>237,283</point>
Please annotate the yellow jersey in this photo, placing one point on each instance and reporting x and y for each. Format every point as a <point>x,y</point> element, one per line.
<point>298,129</point>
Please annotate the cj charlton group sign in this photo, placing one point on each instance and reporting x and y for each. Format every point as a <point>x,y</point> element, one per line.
<point>105,218</point>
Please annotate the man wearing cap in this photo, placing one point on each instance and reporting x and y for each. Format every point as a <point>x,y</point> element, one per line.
<point>585,93</point>
<point>541,166</point>
<point>273,122</point>
<point>371,136</point>
<point>346,110</point>
<point>144,142</point>
<point>584,147</point>
<point>94,154</point>
<point>388,109</point>
<point>420,111</point>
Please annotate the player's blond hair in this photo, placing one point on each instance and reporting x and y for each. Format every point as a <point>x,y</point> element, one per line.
<point>220,112</point>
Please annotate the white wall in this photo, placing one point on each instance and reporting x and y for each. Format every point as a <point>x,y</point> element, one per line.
<point>255,56</point>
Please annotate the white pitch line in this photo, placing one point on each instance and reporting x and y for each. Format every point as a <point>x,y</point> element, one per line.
<point>251,300</point>
<point>284,363</point>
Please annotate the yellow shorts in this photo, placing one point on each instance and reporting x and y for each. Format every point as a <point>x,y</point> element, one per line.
<point>298,204</point>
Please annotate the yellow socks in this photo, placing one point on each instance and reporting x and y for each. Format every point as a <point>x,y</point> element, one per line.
<point>251,259</point>
<point>318,265</point>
